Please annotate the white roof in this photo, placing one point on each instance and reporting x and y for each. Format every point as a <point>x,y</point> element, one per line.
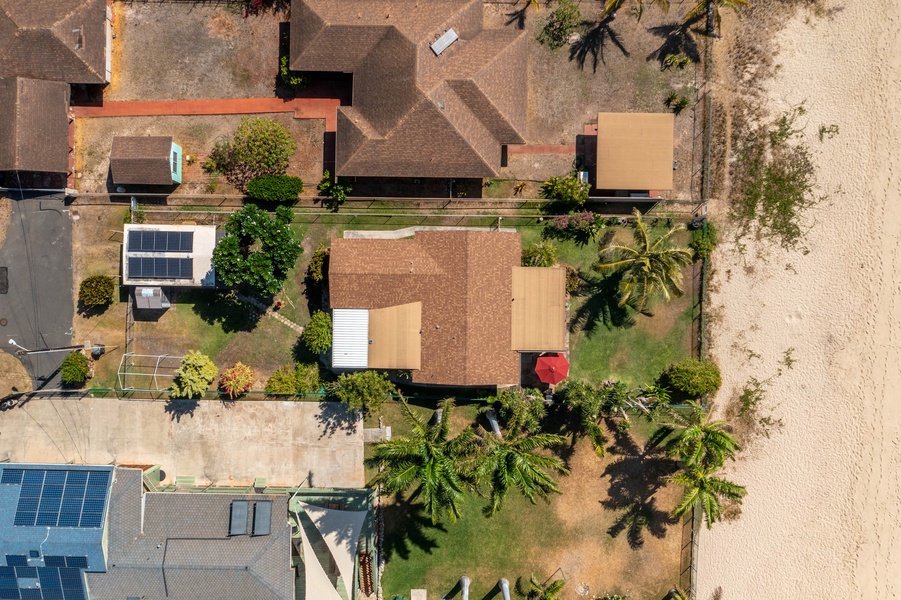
<point>350,338</point>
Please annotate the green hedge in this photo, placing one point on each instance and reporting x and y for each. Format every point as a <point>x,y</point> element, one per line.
<point>97,290</point>
<point>275,188</point>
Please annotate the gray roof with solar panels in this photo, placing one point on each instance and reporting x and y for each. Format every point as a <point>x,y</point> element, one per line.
<point>169,255</point>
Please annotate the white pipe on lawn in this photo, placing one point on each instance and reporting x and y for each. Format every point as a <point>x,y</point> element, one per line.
<point>505,588</point>
<point>464,587</point>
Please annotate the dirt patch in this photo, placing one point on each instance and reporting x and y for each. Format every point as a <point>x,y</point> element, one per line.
<point>667,313</point>
<point>6,213</point>
<point>178,50</point>
<point>196,135</point>
<point>13,377</point>
<point>595,506</point>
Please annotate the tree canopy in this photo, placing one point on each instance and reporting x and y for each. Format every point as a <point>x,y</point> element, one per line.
<point>257,251</point>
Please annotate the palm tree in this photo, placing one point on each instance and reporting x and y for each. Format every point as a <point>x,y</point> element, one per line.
<point>697,440</point>
<point>712,7</point>
<point>704,490</point>
<point>429,459</point>
<point>611,6</point>
<point>544,591</point>
<point>514,461</point>
<point>649,270</point>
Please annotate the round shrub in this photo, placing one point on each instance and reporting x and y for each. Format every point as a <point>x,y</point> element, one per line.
<point>694,377</point>
<point>362,390</point>
<point>75,368</point>
<point>96,290</point>
<point>703,241</point>
<point>540,254</point>
<point>194,376</point>
<point>317,335</point>
<point>318,268</point>
<point>236,380</point>
<point>569,190</point>
<point>306,378</point>
<point>282,381</point>
<point>275,188</point>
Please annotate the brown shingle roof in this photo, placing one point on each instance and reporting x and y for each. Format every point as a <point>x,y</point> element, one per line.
<point>415,114</point>
<point>57,40</point>
<point>34,125</point>
<point>145,160</point>
<point>464,281</point>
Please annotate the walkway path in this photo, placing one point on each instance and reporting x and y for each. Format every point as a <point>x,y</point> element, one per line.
<point>267,310</point>
<point>303,108</point>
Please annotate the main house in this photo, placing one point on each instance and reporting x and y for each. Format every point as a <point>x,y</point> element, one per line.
<point>453,307</point>
<point>44,47</point>
<point>72,532</point>
<point>434,93</point>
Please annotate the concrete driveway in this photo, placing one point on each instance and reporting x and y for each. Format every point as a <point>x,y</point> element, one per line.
<point>288,443</point>
<point>38,305</point>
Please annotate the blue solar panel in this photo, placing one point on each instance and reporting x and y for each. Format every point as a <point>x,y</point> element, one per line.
<point>49,576</point>
<point>56,498</point>
<point>9,594</point>
<point>53,594</point>
<point>78,562</point>
<point>7,572</point>
<point>26,572</point>
<point>16,560</point>
<point>8,582</point>
<point>30,594</point>
<point>11,476</point>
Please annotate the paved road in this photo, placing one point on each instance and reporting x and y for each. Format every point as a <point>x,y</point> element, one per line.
<point>38,306</point>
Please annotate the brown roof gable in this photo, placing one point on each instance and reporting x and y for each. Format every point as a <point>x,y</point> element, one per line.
<point>415,114</point>
<point>145,160</point>
<point>57,40</point>
<point>34,125</point>
<point>464,281</point>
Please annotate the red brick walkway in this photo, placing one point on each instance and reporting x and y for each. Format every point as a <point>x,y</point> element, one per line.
<point>303,108</point>
<point>541,149</point>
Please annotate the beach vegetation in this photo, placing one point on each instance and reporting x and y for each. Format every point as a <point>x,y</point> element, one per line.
<point>704,490</point>
<point>695,439</point>
<point>693,377</point>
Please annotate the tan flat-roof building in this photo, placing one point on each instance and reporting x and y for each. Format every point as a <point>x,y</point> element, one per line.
<point>635,151</point>
<point>453,307</point>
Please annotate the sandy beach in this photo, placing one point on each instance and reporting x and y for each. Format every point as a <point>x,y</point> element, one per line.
<point>823,514</point>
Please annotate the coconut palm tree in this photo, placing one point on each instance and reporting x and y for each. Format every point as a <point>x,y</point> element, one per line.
<point>696,439</point>
<point>545,591</point>
<point>712,7</point>
<point>611,6</point>
<point>429,459</point>
<point>649,270</point>
<point>704,490</point>
<point>515,461</point>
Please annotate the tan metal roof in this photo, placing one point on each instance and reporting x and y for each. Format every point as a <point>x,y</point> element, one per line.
<point>539,314</point>
<point>635,151</point>
<point>395,338</point>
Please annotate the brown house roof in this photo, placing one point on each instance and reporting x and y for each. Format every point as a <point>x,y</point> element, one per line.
<point>416,114</point>
<point>145,160</point>
<point>34,125</point>
<point>464,281</point>
<point>57,40</point>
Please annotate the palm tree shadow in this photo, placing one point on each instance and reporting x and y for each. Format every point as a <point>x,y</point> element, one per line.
<point>517,18</point>
<point>593,43</point>
<point>407,526</point>
<point>602,306</point>
<point>635,477</point>
<point>678,38</point>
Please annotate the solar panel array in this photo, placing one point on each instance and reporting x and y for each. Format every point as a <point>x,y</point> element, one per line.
<point>59,498</point>
<point>160,268</point>
<point>18,581</point>
<point>160,241</point>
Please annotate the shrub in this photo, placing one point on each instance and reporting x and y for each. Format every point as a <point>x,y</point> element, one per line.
<point>703,241</point>
<point>256,250</point>
<point>540,254</point>
<point>569,190</point>
<point>582,227</point>
<point>75,368</point>
<point>521,410</point>
<point>561,24</point>
<point>194,376</point>
<point>96,290</point>
<point>364,390</point>
<point>236,380</point>
<point>573,280</point>
<point>694,377</point>
<point>318,268</point>
<point>282,381</point>
<point>336,191</point>
<point>317,335</point>
<point>138,216</point>
<point>259,146</point>
<point>275,188</point>
<point>306,378</point>
<point>288,78</point>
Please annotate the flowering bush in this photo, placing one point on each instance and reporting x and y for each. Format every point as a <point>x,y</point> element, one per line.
<point>581,227</point>
<point>236,380</point>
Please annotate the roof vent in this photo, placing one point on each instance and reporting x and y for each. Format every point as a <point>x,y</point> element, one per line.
<point>441,44</point>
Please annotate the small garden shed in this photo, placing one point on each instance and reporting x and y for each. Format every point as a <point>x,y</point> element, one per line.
<point>145,160</point>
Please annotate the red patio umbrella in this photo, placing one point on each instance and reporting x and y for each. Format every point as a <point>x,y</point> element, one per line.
<point>552,368</point>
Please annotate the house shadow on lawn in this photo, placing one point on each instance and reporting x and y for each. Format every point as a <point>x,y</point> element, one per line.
<point>407,526</point>
<point>635,476</point>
